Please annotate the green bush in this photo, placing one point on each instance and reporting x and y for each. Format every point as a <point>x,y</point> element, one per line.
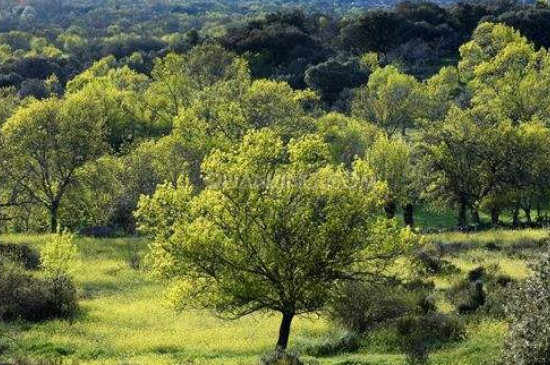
<point>281,357</point>
<point>60,255</point>
<point>528,339</point>
<point>345,343</point>
<point>483,290</point>
<point>359,307</point>
<point>26,297</point>
<point>421,334</point>
<point>468,296</point>
<point>21,254</point>
<point>430,261</point>
<point>27,361</point>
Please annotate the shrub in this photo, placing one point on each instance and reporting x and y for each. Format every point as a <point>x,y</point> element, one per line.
<point>27,361</point>
<point>477,274</point>
<point>4,342</point>
<point>25,297</point>
<point>347,342</point>
<point>420,296</point>
<point>421,334</point>
<point>359,307</point>
<point>60,255</point>
<point>482,290</point>
<point>528,339</point>
<point>22,254</point>
<point>468,296</point>
<point>281,357</point>
<point>133,258</point>
<point>430,261</point>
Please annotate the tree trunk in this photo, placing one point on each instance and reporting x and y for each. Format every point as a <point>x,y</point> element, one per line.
<point>462,221</point>
<point>475,216</point>
<point>515,217</point>
<point>495,214</point>
<point>54,208</point>
<point>284,331</point>
<point>528,215</point>
<point>390,209</point>
<point>408,215</point>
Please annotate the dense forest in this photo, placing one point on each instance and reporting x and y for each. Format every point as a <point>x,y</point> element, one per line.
<point>276,157</point>
<point>153,67</point>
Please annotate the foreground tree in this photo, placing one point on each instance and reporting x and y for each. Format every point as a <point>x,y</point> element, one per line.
<point>275,229</point>
<point>44,145</point>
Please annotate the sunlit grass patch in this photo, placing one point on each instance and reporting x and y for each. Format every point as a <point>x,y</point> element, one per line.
<point>126,319</point>
<point>499,237</point>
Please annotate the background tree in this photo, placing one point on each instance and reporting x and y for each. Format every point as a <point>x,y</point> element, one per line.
<point>9,102</point>
<point>178,78</point>
<point>392,161</point>
<point>46,142</point>
<point>118,94</point>
<point>332,77</point>
<point>467,154</point>
<point>391,100</point>
<point>347,138</point>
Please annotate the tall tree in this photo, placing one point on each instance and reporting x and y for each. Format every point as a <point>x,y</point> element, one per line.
<point>44,145</point>
<point>391,99</point>
<point>468,156</point>
<point>276,229</point>
<point>393,161</point>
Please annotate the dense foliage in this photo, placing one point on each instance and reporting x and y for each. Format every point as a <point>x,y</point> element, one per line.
<point>527,341</point>
<point>268,154</point>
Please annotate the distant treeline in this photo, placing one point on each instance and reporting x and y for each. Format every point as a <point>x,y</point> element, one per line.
<point>282,41</point>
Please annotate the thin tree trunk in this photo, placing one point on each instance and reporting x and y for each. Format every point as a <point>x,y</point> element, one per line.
<point>284,331</point>
<point>475,216</point>
<point>408,215</point>
<point>390,209</point>
<point>54,208</point>
<point>528,215</point>
<point>462,220</point>
<point>495,214</point>
<point>515,217</point>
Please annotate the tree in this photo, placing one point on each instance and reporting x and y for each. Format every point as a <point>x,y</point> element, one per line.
<point>9,101</point>
<point>177,79</point>
<point>223,114</point>
<point>45,144</point>
<point>468,156</point>
<point>332,77</point>
<point>443,91</point>
<point>275,229</point>
<point>375,31</point>
<point>391,100</point>
<point>391,161</point>
<point>118,94</point>
<point>503,71</point>
<point>488,149</point>
<point>524,182</point>
<point>93,200</point>
<point>348,139</point>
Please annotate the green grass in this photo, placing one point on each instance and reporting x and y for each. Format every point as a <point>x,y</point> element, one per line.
<point>125,317</point>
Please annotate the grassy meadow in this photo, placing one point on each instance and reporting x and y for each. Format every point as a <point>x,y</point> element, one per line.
<point>125,317</point>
